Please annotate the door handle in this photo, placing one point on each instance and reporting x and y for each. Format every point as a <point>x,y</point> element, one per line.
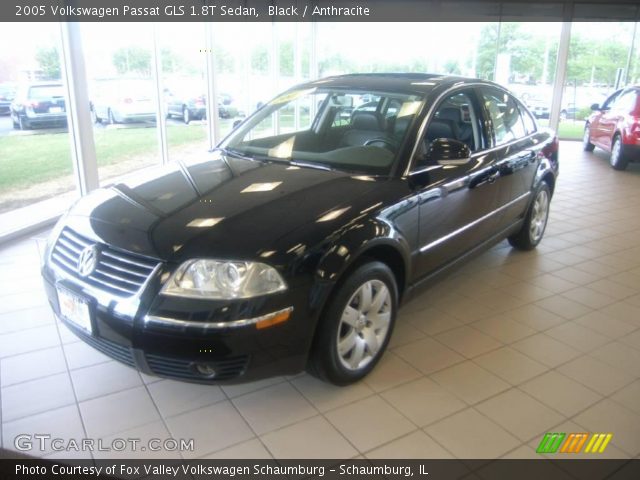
<point>488,176</point>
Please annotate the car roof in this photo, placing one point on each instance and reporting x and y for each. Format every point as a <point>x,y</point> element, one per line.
<point>394,82</point>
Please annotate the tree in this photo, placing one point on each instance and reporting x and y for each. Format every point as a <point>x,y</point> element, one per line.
<point>132,60</point>
<point>49,62</point>
<point>260,60</point>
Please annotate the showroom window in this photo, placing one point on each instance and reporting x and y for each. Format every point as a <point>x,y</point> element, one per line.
<point>35,157</point>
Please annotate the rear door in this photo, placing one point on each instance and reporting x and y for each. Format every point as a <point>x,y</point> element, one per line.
<point>515,153</point>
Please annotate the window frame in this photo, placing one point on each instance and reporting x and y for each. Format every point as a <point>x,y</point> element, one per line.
<point>489,119</point>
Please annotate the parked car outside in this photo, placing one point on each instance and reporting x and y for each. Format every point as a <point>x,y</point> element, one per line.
<point>614,127</point>
<point>284,251</point>
<point>123,100</point>
<point>39,104</point>
<point>7,94</point>
<point>184,102</point>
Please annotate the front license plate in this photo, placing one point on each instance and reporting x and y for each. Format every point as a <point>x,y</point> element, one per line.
<point>55,110</point>
<point>74,308</point>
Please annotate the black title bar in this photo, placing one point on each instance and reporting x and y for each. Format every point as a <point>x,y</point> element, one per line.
<point>313,10</point>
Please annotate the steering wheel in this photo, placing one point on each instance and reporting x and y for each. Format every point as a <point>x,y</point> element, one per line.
<point>386,141</point>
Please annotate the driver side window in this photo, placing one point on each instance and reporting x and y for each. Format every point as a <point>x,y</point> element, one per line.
<point>455,118</point>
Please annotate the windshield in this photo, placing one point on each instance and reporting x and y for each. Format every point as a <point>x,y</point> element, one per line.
<point>352,130</point>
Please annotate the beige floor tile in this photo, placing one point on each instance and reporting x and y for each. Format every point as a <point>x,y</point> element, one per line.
<point>519,414</point>
<point>470,382</point>
<point>552,283</point>
<point>273,407</point>
<point>563,306</point>
<point>608,416</point>
<point>621,356</point>
<point>503,328</point>
<point>633,339</point>
<point>312,438</point>
<point>148,436</point>
<point>596,375</point>
<point>118,412</point>
<point>416,445</point>
<point>212,428</point>
<point>577,275</point>
<point>589,297</point>
<point>369,423</point>
<point>560,393</point>
<point>523,452</point>
<point>510,365</point>
<point>604,324</point>
<point>325,396</point>
<point>64,423</point>
<point>30,366</point>
<point>423,401</point>
<point>103,379</point>
<point>404,333</point>
<point>36,396</point>
<point>577,336</point>
<point>535,317</point>
<point>469,434</point>
<point>431,320</point>
<point>238,389</point>
<point>528,292</point>
<point>546,350</point>
<point>428,355</point>
<point>173,398</point>
<point>390,372</point>
<point>253,448</point>
<point>25,341</point>
<point>468,341</point>
<point>26,319</point>
<point>624,311</point>
<point>620,286</point>
<point>629,397</point>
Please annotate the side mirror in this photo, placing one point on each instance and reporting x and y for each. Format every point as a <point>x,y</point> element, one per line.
<point>236,123</point>
<point>447,151</point>
<point>595,107</point>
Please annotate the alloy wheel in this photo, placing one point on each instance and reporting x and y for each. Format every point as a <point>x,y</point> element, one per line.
<point>364,325</point>
<point>615,153</point>
<point>539,216</point>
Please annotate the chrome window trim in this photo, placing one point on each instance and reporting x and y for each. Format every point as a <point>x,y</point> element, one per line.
<point>462,229</point>
<point>430,112</point>
<point>177,323</point>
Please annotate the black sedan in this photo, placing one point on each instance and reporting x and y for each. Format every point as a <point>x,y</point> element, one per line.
<point>294,243</point>
<point>39,104</point>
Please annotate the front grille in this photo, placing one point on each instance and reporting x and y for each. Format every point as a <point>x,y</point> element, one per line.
<point>177,368</point>
<point>116,272</point>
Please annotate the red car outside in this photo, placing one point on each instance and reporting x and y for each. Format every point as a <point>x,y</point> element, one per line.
<point>614,126</point>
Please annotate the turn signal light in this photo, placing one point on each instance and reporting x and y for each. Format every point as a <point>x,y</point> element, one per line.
<point>275,320</point>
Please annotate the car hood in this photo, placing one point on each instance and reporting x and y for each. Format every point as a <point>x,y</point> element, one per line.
<point>223,207</point>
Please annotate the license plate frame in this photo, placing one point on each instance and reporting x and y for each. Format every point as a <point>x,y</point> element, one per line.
<point>75,309</point>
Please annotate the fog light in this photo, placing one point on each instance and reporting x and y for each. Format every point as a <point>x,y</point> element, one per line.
<point>205,370</point>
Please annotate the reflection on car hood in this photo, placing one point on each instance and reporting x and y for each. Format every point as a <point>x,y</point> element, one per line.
<point>230,209</point>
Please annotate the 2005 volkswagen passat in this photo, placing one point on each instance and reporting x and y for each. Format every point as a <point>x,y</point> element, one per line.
<point>292,245</point>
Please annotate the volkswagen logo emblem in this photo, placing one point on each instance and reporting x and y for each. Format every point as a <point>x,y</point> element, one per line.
<point>87,261</point>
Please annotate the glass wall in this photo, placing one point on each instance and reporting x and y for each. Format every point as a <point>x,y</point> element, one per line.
<point>122,96</point>
<point>35,159</point>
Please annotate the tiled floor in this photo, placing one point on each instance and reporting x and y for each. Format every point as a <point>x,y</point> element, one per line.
<point>481,365</point>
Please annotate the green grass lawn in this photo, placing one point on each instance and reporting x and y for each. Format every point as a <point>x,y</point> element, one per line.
<point>569,130</point>
<point>31,159</point>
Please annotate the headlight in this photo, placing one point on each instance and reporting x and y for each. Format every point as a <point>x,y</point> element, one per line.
<point>223,280</point>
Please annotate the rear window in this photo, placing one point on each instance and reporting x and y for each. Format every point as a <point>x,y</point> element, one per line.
<point>46,91</point>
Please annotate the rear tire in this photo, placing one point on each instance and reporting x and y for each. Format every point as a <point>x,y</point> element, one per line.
<point>186,115</point>
<point>586,140</point>
<point>618,156</point>
<point>356,325</point>
<point>535,221</point>
<point>111,119</point>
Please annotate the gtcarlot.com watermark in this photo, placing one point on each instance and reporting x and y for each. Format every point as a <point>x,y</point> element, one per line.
<point>45,442</point>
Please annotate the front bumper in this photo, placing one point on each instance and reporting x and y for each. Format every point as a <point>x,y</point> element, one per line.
<point>188,339</point>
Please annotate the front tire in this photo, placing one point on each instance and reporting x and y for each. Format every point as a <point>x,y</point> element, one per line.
<point>186,115</point>
<point>355,329</point>
<point>618,156</point>
<point>586,140</point>
<point>535,221</point>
